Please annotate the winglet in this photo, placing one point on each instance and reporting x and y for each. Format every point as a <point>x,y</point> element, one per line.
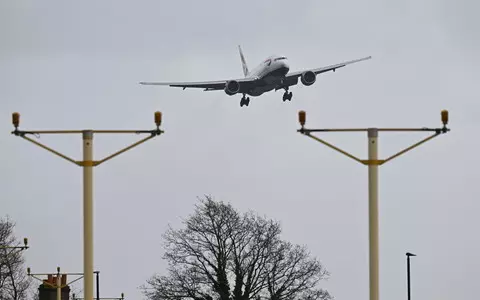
<point>244,63</point>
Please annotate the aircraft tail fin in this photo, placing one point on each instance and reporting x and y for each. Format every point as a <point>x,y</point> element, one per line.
<point>244,63</point>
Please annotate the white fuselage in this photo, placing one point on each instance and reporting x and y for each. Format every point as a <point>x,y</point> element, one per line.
<point>271,72</point>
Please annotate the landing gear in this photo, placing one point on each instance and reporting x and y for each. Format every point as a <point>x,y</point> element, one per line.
<point>287,96</point>
<point>244,101</point>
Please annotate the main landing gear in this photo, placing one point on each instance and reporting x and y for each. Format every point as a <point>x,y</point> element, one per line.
<point>244,101</point>
<point>287,96</point>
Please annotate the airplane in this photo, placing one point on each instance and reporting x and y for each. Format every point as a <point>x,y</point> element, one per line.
<point>271,74</point>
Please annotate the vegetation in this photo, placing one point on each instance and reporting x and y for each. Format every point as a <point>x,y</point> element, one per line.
<point>14,282</point>
<point>224,255</point>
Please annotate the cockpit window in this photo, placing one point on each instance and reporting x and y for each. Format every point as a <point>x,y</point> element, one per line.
<point>280,58</point>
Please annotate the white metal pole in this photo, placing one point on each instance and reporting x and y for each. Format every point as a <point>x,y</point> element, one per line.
<point>88,214</point>
<point>59,287</point>
<point>373,212</point>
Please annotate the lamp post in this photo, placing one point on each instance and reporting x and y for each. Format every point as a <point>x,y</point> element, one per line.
<point>58,282</point>
<point>98,284</point>
<point>13,250</point>
<point>87,164</point>
<point>408,272</point>
<point>373,162</point>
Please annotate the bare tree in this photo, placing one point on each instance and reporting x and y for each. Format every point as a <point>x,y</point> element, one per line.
<point>14,283</point>
<point>224,255</point>
<point>253,244</point>
<point>293,275</point>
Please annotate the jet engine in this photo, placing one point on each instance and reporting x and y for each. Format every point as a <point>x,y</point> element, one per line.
<point>308,78</point>
<point>232,87</point>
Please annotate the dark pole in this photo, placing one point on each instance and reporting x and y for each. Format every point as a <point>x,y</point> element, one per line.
<point>408,272</point>
<point>408,276</point>
<point>98,285</point>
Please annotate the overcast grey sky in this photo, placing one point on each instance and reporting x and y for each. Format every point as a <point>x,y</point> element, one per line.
<point>77,65</point>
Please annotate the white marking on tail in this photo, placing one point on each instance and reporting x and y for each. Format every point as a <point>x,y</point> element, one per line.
<point>244,63</point>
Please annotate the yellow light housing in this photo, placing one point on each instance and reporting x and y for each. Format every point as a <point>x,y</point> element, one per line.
<point>158,118</point>
<point>444,117</point>
<point>16,119</point>
<point>302,117</point>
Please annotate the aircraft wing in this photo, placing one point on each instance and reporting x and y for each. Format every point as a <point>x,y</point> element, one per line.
<point>206,85</point>
<point>326,69</point>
